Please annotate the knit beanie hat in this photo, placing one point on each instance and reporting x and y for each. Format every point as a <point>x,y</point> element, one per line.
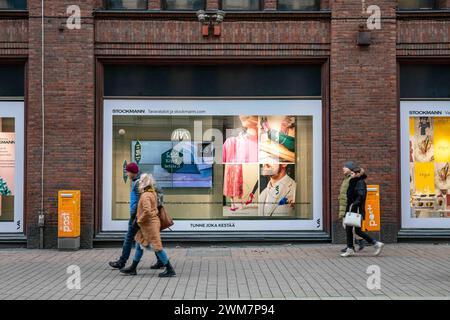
<point>350,165</point>
<point>132,167</point>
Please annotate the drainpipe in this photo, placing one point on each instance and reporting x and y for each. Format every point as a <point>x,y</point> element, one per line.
<point>41,218</point>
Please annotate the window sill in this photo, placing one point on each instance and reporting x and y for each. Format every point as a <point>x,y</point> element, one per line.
<point>230,15</point>
<point>423,14</point>
<point>17,14</point>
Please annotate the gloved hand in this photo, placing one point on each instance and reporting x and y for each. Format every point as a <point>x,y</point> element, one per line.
<point>135,225</point>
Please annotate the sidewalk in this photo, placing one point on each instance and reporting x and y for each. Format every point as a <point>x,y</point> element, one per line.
<point>408,271</point>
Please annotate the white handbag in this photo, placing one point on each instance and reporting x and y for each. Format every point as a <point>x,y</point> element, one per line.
<point>352,219</point>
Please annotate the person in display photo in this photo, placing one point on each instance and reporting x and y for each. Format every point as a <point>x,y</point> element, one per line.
<point>277,139</point>
<point>277,197</point>
<point>237,150</point>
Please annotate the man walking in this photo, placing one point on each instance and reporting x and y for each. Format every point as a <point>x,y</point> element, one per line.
<point>134,175</point>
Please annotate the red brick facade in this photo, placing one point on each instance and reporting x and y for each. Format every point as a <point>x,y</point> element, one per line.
<point>360,88</point>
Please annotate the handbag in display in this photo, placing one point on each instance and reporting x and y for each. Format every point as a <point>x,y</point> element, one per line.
<point>352,219</point>
<point>165,218</point>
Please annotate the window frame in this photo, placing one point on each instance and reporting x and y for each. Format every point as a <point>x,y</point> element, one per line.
<point>436,6</point>
<point>299,10</point>
<point>105,6</point>
<point>163,4</point>
<point>260,4</point>
<point>16,9</point>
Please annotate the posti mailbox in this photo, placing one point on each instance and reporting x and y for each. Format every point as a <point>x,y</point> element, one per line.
<point>372,219</point>
<point>69,219</point>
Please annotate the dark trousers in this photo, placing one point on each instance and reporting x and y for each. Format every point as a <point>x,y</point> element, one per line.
<point>128,242</point>
<point>359,232</point>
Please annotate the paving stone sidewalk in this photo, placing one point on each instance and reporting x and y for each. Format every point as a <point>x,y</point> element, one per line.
<point>303,271</point>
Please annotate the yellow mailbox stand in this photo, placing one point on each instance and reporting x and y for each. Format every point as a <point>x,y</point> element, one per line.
<point>69,219</point>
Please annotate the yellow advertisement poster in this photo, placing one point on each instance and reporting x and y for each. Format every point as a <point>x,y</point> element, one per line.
<point>424,177</point>
<point>411,126</point>
<point>442,139</point>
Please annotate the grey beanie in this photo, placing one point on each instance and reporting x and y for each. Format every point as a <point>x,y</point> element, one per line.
<point>350,165</point>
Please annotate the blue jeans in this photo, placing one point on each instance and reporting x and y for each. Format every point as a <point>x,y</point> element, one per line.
<point>160,255</point>
<point>128,241</point>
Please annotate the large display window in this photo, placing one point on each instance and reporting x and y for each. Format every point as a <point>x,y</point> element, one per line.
<point>11,166</point>
<point>224,165</point>
<point>425,139</point>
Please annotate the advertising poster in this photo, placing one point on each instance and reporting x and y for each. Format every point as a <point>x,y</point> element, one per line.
<point>7,165</point>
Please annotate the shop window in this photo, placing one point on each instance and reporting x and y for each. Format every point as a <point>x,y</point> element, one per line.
<point>183,4</point>
<point>202,80</point>
<point>13,4</point>
<point>429,163</point>
<point>12,80</point>
<point>241,164</point>
<point>125,4</point>
<point>242,5</point>
<point>418,4</point>
<point>292,5</point>
<point>424,81</point>
<point>246,161</point>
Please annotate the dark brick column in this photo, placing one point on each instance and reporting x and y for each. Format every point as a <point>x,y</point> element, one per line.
<point>364,117</point>
<point>69,117</point>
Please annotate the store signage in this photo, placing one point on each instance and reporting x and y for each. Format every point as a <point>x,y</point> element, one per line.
<point>137,152</point>
<point>172,160</point>
<point>372,219</point>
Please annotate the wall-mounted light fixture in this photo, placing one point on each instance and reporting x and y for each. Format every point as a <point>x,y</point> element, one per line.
<point>211,22</point>
<point>364,36</point>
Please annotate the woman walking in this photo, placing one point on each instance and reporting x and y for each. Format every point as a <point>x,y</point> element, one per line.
<point>148,236</point>
<point>356,201</point>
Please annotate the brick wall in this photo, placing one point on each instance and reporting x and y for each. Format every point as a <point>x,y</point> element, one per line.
<point>364,107</point>
<point>69,117</point>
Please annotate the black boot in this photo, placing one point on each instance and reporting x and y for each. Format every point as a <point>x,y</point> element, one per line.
<point>131,270</point>
<point>169,272</point>
<point>157,265</point>
<point>119,264</point>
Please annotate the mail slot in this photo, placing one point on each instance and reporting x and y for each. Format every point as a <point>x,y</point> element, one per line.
<point>69,219</point>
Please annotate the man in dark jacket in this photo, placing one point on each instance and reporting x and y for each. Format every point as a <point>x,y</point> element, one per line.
<point>134,175</point>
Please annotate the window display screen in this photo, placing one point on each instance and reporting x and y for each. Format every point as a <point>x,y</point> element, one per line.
<point>232,160</point>
<point>425,164</point>
<point>7,168</point>
<point>429,166</point>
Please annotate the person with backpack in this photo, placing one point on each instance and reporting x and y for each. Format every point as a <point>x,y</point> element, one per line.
<point>149,233</point>
<point>134,175</point>
<point>356,201</point>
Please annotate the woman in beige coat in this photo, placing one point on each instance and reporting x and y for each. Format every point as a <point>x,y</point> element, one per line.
<point>148,236</point>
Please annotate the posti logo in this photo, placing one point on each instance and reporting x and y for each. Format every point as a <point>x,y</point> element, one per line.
<point>66,222</point>
<point>372,222</point>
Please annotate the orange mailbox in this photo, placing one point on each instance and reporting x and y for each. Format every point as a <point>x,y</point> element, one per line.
<point>69,219</point>
<point>372,219</point>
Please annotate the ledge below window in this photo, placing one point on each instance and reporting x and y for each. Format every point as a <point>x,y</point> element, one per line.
<point>230,15</point>
<point>13,14</point>
<point>423,14</point>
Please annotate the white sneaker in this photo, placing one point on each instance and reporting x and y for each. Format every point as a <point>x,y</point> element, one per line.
<point>378,247</point>
<point>348,253</point>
